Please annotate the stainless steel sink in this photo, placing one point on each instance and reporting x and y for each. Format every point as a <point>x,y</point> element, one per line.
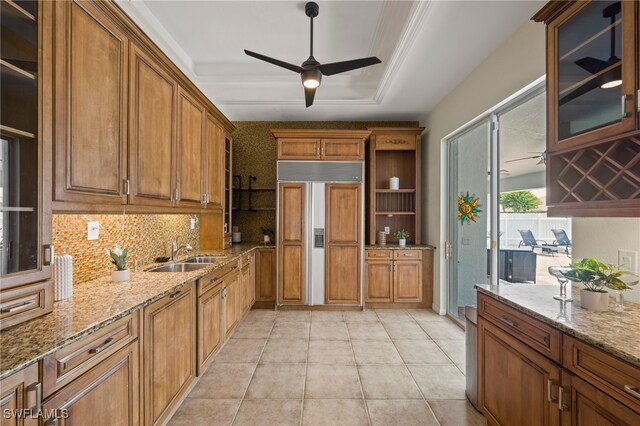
<point>203,259</point>
<point>179,267</point>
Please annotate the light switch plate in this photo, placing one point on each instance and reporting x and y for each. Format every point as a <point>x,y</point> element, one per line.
<point>466,241</point>
<point>387,229</point>
<point>628,260</point>
<point>93,230</point>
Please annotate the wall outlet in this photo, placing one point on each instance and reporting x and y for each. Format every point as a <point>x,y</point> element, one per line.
<point>628,260</point>
<point>387,230</point>
<point>466,241</point>
<point>93,230</point>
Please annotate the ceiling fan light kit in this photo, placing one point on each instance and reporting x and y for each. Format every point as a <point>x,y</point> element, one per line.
<point>311,71</point>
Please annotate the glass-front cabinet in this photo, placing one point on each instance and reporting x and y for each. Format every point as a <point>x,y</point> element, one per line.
<point>592,72</point>
<point>228,195</point>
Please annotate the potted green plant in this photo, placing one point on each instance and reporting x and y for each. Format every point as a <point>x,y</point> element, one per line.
<point>595,276</point>
<point>402,237</point>
<point>118,257</point>
<point>266,235</point>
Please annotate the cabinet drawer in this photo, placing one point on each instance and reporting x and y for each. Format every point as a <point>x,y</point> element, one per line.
<point>378,254</point>
<point>407,254</point>
<point>23,303</point>
<point>395,142</point>
<point>214,278</point>
<point>540,336</point>
<point>68,363</point>
<point>612,375</point>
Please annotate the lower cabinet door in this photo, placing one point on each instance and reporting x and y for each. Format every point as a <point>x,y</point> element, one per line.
<point>108,394</point>
<point>516,385</point>
<point>169,352</point>
<point>265,275</point>
<point>585,405</point>
<point>378,277</point>
<point>20,392</point>
<point>232,302</point>
<point>407,281</point>
<point>245,277</point>
<point>210,326</point>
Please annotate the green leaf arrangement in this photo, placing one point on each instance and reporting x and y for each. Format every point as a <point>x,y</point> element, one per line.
<point>118,257</point>
<point>402,235</point>
<point>596,275</point>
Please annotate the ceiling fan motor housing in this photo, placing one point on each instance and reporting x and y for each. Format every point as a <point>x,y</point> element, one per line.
<point>311,9</point>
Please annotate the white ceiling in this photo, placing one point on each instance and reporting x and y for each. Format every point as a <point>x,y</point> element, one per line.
<point>426,48</point>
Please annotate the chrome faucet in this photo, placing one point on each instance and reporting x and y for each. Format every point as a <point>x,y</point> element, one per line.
<point>175,248</point>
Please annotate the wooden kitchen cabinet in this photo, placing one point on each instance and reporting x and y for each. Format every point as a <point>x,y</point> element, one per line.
<point>378,279</point>
<point>291,243</point>
<point>321,145</point>
<point>108,394</point>
<point>215,163</point>
<point>169,352</point>
<point>90,149</point>
<point>265,277</point>
<point>232,299</point>
<point>298,149</point>
<point>245,279</point>
<point>190,157</point>
<point>20,391</point>
<point>210,325</point>
<point>152,140</point>
<point>407,281</point>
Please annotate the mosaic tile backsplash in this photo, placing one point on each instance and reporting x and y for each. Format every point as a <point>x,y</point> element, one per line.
<point>145,235</point>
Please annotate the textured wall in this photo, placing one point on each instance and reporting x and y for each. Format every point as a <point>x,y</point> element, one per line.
<point>254,153</point>
<point>144,235</point>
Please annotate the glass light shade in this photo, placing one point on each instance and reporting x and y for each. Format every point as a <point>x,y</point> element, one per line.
<point>611,84</point>
<point>311,83</point>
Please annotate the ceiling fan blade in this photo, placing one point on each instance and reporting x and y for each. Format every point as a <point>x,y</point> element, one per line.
<point>592,65</point>
<point>523,158</point>
<point>339,67</point>
<point>309,94</point>
<point>291,67</point>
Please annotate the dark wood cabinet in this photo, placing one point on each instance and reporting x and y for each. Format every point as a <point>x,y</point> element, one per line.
<point>593,90</point>
<point>20,392</point>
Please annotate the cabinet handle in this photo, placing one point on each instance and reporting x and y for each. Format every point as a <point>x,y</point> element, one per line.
<point>638,100</point>
<point>203,199</point>
<point>507,321</point>
<point>37,387</point>
<point>52,422</point>
<point>623,105</point>
<point>16,307</point>
<point>550,397</point>
<point>103,346</point>
<point>633,390</point>
<point>126,187</point>
<point>47,254</point>
<point>561,405</point>
<point>174,295</point>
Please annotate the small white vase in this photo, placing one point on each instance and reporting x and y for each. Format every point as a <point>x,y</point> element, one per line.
<point>120,276</point>
<point>394,183</point>
<point>402,242</point>
<point>267,239</point>
<point>594,300</point>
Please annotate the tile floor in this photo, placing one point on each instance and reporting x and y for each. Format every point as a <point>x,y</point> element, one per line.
<point>382,367</point>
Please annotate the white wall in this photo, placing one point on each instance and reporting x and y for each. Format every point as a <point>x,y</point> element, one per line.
<point>512,66</point>
<point>603,237</point>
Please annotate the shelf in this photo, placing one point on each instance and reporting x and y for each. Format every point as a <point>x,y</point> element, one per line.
<point>17,209</point>
<point>590,39</point>
<point>12,9</point>
<point>395,213</point>
<point>392,191</point>
<point>16,132</point>
<point>16,71</point>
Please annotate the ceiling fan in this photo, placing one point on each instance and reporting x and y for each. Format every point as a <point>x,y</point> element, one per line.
<point>311,70</point>
<point>541,156</point>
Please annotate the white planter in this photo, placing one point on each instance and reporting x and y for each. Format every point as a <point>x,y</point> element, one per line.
<point>267,239</point>
<point>594,300</point>
<point>120,276</point>
<point>402,242</point>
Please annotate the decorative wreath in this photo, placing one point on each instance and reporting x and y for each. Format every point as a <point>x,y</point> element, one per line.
<point>468,208</point>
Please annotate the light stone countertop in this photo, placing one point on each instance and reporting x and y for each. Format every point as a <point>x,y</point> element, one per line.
<point>397,247</point>
<point>617,333</point>
<point>95,304</point>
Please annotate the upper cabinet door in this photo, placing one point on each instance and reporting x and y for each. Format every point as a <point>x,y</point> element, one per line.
<point>298,149</point>
<point>190,150</point>
<point>592,55</point>
<point>91,64</point>
<point>153,104</point>
<point>342,149</point>
<point>215,160</point>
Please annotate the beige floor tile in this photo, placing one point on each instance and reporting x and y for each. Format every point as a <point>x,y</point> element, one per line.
<point>261,315</point>
<point>421,352</point>
<point>439,381</point>
<point>360,316</point>
<point>334,412</point>
<point>332,381</point>
<point>393,315</point>
<point>269,413</point>
<point>400,413</point>
<point>387,382</point>
<point>241,351</point>
<point>367,330</point>
<point>375,352</point>
<point>330,352</point>
<point>224,381</point>
<point>205,412</point>
<point>405,330</point>
<point>326,316</point>
<point>425,315</point>
<point>293,316</point>
<point>457,413</point>
<point>290,330</point>
<point>285,351</point>
<point>329,330</point>
<point>462,367</point>
<point>277,381</point>
<point>454,349</point>
<point>442,329</point>
<point>253,330</point>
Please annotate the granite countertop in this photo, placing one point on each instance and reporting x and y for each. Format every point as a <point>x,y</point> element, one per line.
<point>617,333</point>
<point>397,247</point>
<point>95,304</point>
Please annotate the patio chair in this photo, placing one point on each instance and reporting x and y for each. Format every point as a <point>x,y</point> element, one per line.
<point>562,239</point>
<point>528,240</point>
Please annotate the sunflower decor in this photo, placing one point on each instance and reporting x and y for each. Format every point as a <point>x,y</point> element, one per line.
<point>468,208</point>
